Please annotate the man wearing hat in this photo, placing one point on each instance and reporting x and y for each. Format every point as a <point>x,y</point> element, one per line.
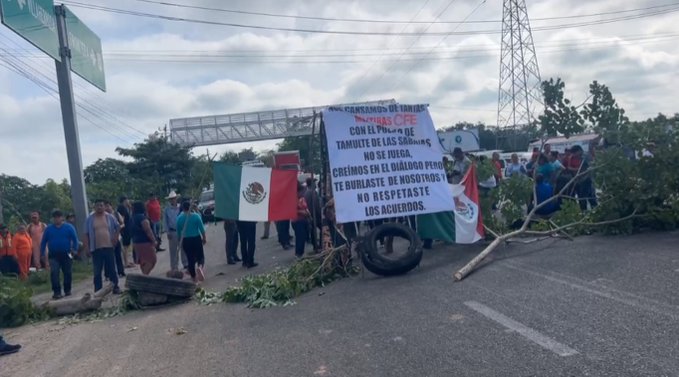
<point>170,214</point>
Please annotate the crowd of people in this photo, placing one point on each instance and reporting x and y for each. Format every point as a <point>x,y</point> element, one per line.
<point>550,170</point>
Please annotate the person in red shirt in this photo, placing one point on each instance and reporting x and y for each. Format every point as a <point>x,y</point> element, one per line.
<point>23,245</point>
<point>153,212</point>
<point>301,223</point>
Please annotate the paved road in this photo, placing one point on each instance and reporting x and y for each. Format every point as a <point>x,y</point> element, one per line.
<point>594,307</point>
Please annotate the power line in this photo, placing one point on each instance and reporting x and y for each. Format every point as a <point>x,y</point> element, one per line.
<point>44,80</point>
<point>396,82</point>
<point>354,32</point>
<point>82,88</point>
<point>374,63</point>
<point>17,68</point>
<point>133,55</point>
<point>377,21</point>
<point>489,52</point>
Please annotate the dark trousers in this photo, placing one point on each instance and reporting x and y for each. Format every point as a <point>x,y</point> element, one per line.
<point>104,260</point>
<point>283,230</point>
<point>231,246</point>
<point>312,234</point>
<point>301,228</point>
<point>247,230</point>
<point>120,267</point>
<point>586,194</point>
<point>193,247</point>
<point>60,261</point>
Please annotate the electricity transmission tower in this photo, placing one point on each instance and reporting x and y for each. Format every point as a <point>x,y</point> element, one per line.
<point>520,91</point>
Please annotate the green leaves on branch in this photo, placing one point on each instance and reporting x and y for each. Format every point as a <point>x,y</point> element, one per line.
<point>16,307</point>
<point>281,286</point>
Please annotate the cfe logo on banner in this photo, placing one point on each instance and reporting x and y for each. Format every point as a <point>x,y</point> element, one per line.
<point>385,161</point>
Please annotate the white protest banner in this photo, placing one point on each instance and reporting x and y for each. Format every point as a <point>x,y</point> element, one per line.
<point>385,161</point>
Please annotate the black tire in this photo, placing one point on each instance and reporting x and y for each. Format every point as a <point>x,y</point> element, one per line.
<point>378,268</point>
<point>412,256</point>
<point>159,285</point>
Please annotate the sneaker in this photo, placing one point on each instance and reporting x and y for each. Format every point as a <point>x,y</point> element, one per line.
<point>231,262</point>
<point>57,296</point>
<point>6,349</point>
<point>200,274</point>
<point>264,238</point>
<point>252,265</point>
<point>67,294</point>
<point>116,290</point>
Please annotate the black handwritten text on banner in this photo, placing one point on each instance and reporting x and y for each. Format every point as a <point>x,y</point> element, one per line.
<point>385,161</point>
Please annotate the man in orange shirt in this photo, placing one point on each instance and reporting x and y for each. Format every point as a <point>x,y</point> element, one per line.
<point>8,257</point>
<point>23,245</point>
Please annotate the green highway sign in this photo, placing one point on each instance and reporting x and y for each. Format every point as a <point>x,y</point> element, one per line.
<point>34,20</point>
<point>87,60</point>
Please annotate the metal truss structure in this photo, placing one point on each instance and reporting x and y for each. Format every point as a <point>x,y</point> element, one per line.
<point>255,126</point>
<point>520,90</point>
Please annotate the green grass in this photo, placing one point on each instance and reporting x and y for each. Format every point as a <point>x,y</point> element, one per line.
<point>39,282</point>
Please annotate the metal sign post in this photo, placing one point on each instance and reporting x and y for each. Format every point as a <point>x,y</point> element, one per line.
<point>75,164</point>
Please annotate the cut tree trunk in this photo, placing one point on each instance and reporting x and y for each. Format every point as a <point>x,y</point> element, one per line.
<point>74,305</point>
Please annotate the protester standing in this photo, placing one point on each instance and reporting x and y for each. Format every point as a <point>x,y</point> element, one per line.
<point>153,212</point>
<point>62,241</point>
<point>247,234</point>
<point>23,244</point>
<point>125,234</point>
<point>143,238</point>
<point>118,248</point>
<point>102,233</point>
<point>283,230</point>
<point>192,233</point>
<point>313,202</point>
<point>36,229</point>
<point>515,168</point>
<point>231,232</point>
<point>267,230</point>
<point>170,214</point>
<point>301,223</point>
<point>461,164</point>
<point>9,263</point>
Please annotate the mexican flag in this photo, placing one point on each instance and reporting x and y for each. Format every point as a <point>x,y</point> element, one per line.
<point>465,224</point>
<point>254,194</point>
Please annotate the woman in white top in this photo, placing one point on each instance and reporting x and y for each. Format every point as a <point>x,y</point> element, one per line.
<point>515,167</point>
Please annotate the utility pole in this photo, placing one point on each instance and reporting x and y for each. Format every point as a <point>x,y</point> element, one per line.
<point>75,165</point>
<point>520,90</point>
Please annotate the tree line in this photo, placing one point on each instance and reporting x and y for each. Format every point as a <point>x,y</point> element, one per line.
<point>158,165</point>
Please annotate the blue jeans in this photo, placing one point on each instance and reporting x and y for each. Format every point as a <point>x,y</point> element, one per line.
<point>60,261</point>
<point>156,231</point>
<point>104,260</point>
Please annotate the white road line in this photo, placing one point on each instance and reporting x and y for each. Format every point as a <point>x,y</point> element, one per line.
<point>525,331</point>
<point>626,298</point>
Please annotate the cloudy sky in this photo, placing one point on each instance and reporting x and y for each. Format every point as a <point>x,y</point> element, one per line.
<point>158,69</point>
